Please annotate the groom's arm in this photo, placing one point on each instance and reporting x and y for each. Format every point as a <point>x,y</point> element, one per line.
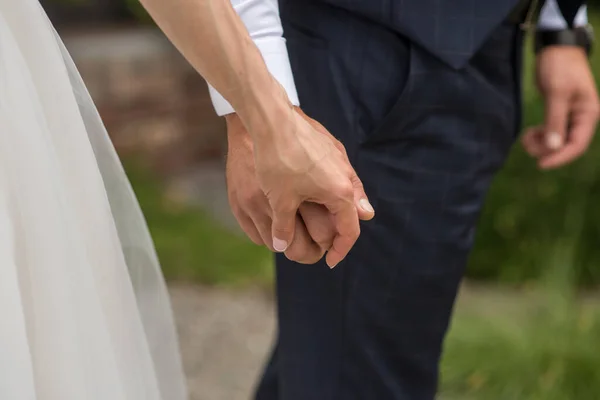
<point>261,18</point>
<point>211,36</point>
<point>288,147</point>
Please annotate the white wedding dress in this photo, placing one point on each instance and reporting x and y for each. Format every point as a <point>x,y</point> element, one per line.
<point>84,311</point>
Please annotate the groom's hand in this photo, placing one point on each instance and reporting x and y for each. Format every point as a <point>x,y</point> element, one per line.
<point>314,224</point>
<point>565,80</point>
<point>314,231</point>
<point>297,161</point>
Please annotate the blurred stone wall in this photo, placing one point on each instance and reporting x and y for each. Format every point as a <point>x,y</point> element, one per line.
<point>86,12</point>
<point>154,105</point>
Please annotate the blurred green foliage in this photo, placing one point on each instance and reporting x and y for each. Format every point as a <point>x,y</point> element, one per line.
<point>193,247</point>
<point>534,343</point>
<point>523,347</point>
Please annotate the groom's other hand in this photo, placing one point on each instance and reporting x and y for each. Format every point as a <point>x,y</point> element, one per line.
<point>572,108</point>
<point>314,230</point>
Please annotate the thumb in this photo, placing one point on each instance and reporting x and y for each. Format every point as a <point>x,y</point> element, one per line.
<point>284,226</point>
<point>555,127</point>
<point>361,201</point>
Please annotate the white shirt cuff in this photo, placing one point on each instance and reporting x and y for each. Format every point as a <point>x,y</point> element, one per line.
<point>551,17</point>
<point>274,52</point>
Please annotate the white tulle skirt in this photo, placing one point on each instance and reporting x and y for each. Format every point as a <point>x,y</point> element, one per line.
<point>84,311</point>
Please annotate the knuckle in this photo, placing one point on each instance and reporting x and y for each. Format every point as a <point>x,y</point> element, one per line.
<point>343,190</point>
<point>285,209</point>
<point>324,239</point>
<point>257,201</point>
<point>282,204</point>
<point>355,233</point>
<point>302,256</point>
<point>295,253</point>
<point>322,234</point>
<point>281,231</point>
<point>237,210</point>
<point>356,182</point>
<point>283,228</point>
<point>346,242</point>
<point>341,148</point>
<point>325,243</point>
<point>245,198</point>
<point>252,198</point>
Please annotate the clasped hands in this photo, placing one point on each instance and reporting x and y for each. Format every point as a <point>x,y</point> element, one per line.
<point>295,193</point>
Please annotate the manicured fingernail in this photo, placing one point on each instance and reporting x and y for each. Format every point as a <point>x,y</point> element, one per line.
<point>365,205</point>
<point>279,245</point>
<point>330,264</point>
<point>554,141</point>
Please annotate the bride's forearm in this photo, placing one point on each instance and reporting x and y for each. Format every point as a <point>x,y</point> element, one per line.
<point>215,41</point>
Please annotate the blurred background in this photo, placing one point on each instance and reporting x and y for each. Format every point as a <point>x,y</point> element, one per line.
<point>527,323</point>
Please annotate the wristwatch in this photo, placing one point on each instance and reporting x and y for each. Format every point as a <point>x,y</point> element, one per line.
<point>581,36</point>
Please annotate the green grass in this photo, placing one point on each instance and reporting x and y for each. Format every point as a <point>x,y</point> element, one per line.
<point>192,246</point>
<point>527,344</point>
<point>535,350</point>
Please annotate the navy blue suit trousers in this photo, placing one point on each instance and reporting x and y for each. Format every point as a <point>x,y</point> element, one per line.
<point>426,139</point>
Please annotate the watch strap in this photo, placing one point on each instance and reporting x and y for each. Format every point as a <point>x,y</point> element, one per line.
<point>580,37</point>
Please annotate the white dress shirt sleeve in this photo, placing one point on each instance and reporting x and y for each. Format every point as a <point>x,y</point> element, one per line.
<point>261,18</point>
<point>552,19</point>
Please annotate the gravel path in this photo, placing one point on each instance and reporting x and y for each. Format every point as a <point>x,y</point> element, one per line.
<point>225,338</point>
<point>226,335</point>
